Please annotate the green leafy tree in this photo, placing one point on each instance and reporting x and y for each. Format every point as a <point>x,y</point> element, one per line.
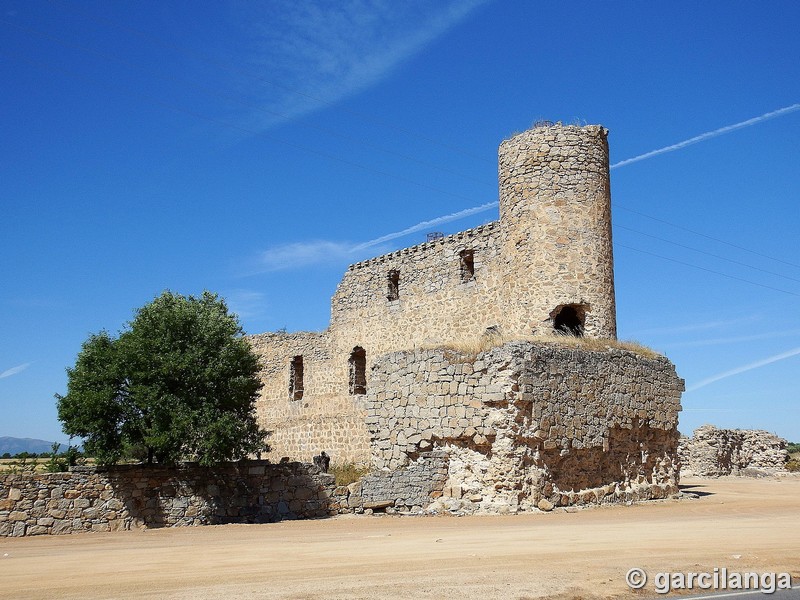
<point>180,383</point>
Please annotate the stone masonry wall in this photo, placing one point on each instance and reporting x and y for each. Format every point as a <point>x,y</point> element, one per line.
<point>549,254</point>
<point>327,417</point>
<point>410,489</point>
<point>712,452</point>
<point>136,497</point>
<point>555,213</point>
<point>436,301</point>
<point>528,425</point>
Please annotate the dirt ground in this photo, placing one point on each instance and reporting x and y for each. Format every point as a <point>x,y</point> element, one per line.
<point>741,524</point>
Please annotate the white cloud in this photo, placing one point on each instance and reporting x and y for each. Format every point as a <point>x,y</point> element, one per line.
<point>14,370</point>
<point>722,325</point>
<point>323,52</point>
<point>303,254</point>
<point>769,335</point>
<point>247,304</point>
<point>743,369</point>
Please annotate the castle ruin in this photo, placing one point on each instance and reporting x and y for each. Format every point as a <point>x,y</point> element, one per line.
<point>524,423</point>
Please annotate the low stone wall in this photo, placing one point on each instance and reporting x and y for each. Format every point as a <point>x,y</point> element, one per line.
<point>136,497</point>
<point>530,425</point>
<point>410,489</point>
<point>712,452</point>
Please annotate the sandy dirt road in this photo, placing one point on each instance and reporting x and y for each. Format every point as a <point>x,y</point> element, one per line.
<point>741,524</point>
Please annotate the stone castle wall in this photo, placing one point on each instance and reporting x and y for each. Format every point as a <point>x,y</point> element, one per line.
<point>139,497</point>
<point>326,417</point>
<point>549,253</point>
<point>526,423</point>
<point>437,299</point>
<point>712,452</point>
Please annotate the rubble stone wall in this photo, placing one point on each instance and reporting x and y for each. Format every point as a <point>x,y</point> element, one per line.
<point>138,497</point>
<point>410,489</point>
<point>527,422</point>
<point>712,452</point>
<point>436,301</point>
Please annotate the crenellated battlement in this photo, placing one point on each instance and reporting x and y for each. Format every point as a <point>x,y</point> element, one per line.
<point>430,246</point>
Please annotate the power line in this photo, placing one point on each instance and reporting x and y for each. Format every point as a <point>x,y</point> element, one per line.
<point>680,262</point>
<point>730,260</point>
<point>693,232</point>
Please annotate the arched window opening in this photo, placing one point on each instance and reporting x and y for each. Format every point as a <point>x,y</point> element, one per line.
<point>569,319</point>
<point>358,371</point>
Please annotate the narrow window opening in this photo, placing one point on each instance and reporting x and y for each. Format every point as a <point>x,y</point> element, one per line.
<point>358,371</point>
<point>467,265</point>
<point>393,280</point>
<point>570,319</point>
<point>296,378</point>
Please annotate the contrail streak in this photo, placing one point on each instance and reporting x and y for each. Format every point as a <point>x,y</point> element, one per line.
<point>14,370</point>
<point>708,135</point>
<point>490,205</point>
<point>319,249</point>
<point>744,369</point>
<point>426,224</point>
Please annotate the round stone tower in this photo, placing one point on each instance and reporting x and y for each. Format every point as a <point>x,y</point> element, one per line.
<point>555,219</point>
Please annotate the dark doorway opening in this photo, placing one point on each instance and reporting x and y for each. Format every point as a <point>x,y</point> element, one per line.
<point>569,320</point>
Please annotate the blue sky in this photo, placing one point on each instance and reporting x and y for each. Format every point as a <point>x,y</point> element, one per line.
<point>256,148</point>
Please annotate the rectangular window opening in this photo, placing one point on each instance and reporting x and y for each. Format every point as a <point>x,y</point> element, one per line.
<point>358,371</point>
<point>296,378</point>
<point>467,261</point>
<point>393,281</point>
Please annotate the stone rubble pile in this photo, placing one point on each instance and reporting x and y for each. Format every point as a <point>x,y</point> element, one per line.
<point>712,452</point>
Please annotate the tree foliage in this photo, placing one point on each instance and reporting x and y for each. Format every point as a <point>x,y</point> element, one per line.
<point>180,383</point>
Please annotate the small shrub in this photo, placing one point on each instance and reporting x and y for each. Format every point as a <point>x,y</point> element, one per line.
<point>347,473</point>
<point>56,463</point>
<point>793,465</point>
<point>793,447</point>
<point>22,466</point>
<point>60,462</point>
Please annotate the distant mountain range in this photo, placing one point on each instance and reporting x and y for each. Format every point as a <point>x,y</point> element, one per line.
<point>14,445</point>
